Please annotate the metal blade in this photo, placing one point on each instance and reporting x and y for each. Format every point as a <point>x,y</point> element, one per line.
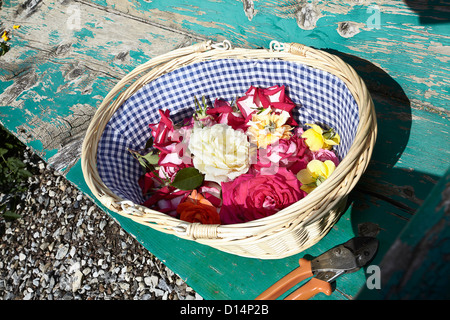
<point>346,258</point>
<point>363,248</point>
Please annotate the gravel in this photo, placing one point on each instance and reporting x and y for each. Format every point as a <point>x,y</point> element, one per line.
<point>65,248</point>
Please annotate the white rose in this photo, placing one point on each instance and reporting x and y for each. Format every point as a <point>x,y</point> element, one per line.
<point>220,152</point>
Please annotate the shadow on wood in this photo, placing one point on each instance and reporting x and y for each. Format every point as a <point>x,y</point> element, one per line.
<point>430,11</point>
<point>387,194</point>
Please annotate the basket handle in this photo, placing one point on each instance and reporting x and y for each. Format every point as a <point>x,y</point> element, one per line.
<point>197,230</point>
<point>297,48</point>
<point>292,47</point>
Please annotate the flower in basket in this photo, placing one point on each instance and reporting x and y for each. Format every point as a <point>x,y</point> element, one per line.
<point>171,140</point>
<point>315,173</point>
<point>212,192</point>
<point>220,152</point>
<point>163,131</point>
<point>318,138</point>
<point>235,163</point>
<point>268,126</point>
<point>325,154</point>
<point>255,196</point>
<point>291,153</point>
<point>197,209</point>
<point>224,113</point>
<point>256,99</point>
<point>166,199</point>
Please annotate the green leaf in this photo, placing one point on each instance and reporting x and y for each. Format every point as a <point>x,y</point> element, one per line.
<point>204,103</point>
<point>197,104</point>
<point>148,160</point>
<point>4,48</point>
<point>329,134</point>
<point>11,215</point>
<point>188,179</point>
<point>151,158</point>
<point>24,173</point>
<point>3,151</point>
<point>149,143</point>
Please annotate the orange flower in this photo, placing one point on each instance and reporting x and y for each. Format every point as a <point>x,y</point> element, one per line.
<point>197,209</point>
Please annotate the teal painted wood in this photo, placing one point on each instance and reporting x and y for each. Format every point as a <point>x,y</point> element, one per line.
<point>417,265</point>
<point>54,77</point>
<point>408,41</point>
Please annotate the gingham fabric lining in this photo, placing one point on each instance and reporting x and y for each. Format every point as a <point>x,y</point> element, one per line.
<point>322,98</point>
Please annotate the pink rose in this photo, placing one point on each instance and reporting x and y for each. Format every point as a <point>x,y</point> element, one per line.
<point>172,143</point>
<point>159,196</point>
<point>168,170</point>
<point>256,98</point>
<point>173,158</point>
<point>324,154</point>
<point>292,153</point>
<point>251,196</point>
<point>163,131</point>
<point>166,136</point>
<point>223,113</point>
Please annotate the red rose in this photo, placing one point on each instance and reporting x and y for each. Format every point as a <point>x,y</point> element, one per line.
<point>162,131</point>
<point>223,113</point>
<point>251,196</point>
<point>166,200</point>
<point>257,98</point>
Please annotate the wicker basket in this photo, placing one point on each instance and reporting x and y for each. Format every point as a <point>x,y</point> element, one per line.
<point>290,230</point>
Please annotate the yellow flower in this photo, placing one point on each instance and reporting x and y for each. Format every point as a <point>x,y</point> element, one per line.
<point>315,173</point>
<point>267,127</point>
<point>317,138</point>
<point>16,27</point>
<point>5,36</point>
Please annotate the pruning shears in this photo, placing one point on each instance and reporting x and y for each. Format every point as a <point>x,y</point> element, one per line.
<point>324,269</point>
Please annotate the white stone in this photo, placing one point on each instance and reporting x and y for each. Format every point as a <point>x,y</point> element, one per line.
<point>76,280</point>
<point>74,267</point>
<point>124,286</point>
<point>62,252</point>
<point>151,281</point>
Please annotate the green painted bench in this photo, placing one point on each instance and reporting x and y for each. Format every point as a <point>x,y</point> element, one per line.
<point>67,55</point>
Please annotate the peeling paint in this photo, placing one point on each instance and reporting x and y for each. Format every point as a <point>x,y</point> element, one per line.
<point>21,84</point>
<point>307,16</point>
<point>439,48</point>
<point>60,130</point>
<point>249,9</point>
<point>348,29</point>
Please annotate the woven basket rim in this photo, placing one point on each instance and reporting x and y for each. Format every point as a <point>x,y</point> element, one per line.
<point>337,186</point>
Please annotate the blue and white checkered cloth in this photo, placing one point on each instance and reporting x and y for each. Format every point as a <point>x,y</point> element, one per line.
<point>321,97</point>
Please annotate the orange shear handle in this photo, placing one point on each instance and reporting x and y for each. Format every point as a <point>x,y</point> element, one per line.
<point>310,289</point>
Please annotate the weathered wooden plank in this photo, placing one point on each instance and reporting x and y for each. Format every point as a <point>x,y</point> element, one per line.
<point>408,40</point>
<point>417,264</point>
<point>410,154</point>
<point>54,77</point>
